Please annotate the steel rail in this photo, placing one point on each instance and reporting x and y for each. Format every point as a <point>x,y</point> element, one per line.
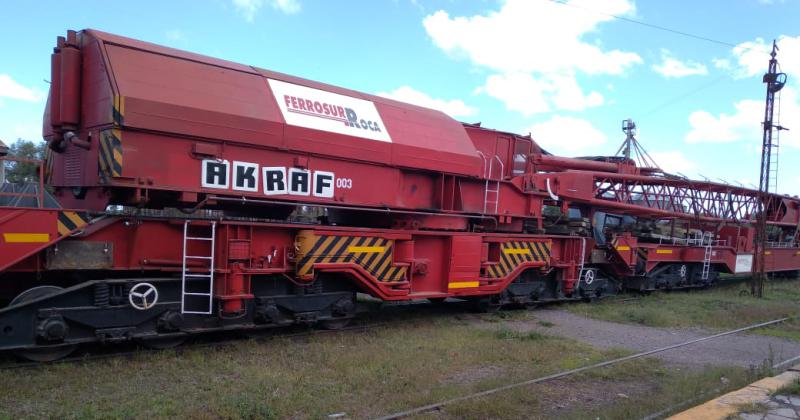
<point>440,404</point>
<point>716,391</point>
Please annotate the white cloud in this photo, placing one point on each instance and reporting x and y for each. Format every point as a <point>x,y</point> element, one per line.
<point>249,8</point>
<point>673,161</point>
<point>522,36</point>
<point>567,94</point>
<point>174,35</point>
<point>568,135</point>
<point>722,63</point>
<point>286,6</point>
<point>452,107</point>
<point>13,90</point>
<point>673,67</point>
<point>752,56</point>
<point>524,93</point>
<point>519,91</point>
<point>534,73</point>
<point>725,128</point>
<point>744,124</point>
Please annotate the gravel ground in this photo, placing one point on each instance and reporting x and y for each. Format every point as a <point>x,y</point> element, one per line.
<point>740,349</point>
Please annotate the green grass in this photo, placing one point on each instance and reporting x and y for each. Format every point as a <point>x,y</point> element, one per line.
<point>723,307</point>
<point>507,334</point>
<point>416,361</point>
<point>759,408</point>
<point>790,389</point>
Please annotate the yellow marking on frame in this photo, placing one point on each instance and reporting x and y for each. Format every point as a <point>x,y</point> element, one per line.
<point>767,252</point>
<point>623,248</point>
<point>515,251</point>
<point>26,238</point>
<point>463,284</point>
<point>75,218</point>
<point>663,251</point>
<point>366,249</point>
<point>62,230</point>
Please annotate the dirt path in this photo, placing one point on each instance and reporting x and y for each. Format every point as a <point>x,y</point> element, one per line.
<point>741,349</point>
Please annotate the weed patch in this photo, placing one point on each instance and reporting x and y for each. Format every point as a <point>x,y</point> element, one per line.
<point>723,307</point>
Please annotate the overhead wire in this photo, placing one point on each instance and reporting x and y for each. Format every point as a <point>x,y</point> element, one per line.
<point>660,27</point>
<point>681,97</point>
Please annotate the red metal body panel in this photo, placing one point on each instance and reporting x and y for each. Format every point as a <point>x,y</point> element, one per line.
<point>23,232</point>
<point>187,95</point>
<point>435,261</point>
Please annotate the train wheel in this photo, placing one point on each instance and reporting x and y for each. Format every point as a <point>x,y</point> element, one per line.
<point>488,304</point>
<point>46,354</point>
<point>42,353</point>
<point>334,324</point>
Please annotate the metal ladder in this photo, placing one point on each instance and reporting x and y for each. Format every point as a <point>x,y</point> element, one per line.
<point>198,277</point>
<point>772,176</point>
<point>491,190</point>
<point>707,260</point>
<point>581,269</point>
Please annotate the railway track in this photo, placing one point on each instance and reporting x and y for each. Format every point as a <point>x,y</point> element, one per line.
<point>440,404</point>
<point>105,353</point>
<point>96,352</point>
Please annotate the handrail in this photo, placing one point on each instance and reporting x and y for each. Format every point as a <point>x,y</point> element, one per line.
<point>502,168</point>
<point>484,163</point>
<point>39,194</point>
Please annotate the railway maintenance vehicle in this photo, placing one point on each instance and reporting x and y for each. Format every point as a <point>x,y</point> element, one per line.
<point>183,194</point>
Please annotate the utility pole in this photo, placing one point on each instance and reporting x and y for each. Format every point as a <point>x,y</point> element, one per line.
<point>3,152</point>
<point>775,82</point>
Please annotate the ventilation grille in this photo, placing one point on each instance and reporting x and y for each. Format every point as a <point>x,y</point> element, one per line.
<point>74,158</point>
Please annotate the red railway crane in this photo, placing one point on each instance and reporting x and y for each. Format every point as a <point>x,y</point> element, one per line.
<point>181,188</point>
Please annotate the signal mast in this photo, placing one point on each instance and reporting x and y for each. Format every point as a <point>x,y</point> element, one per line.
<point>775,81</point>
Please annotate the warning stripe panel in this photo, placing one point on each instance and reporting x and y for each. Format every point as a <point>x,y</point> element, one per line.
<point>110,154</point>
<point>374,254</point>
<point>69,221</point>
<point>515,253</point>
<point>118,110</point>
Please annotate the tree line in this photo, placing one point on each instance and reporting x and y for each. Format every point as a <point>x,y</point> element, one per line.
<point>20,171</point>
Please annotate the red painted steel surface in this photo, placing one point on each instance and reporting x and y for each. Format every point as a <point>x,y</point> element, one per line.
<point>138,124</point>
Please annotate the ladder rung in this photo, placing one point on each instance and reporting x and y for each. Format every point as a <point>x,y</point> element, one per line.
<point>198,257</point>
<point>195,238</point>
<point>197,312</point>
<point>197,294</point>
<point>198,275</point>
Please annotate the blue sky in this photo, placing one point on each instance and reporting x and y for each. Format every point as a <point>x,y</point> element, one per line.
<point>567,73</point>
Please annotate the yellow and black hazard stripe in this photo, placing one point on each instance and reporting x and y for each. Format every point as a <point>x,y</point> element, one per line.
<point>374,254</point>
<point>110,154</point>
<point>69,221</point>
<point>118,111</point>
<point>515,253</point>
<point>642,253</point>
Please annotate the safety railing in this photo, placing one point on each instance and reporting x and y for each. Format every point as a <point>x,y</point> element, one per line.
<point>14,194</point>
<point>791,244</point>
<point>704,239</point>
